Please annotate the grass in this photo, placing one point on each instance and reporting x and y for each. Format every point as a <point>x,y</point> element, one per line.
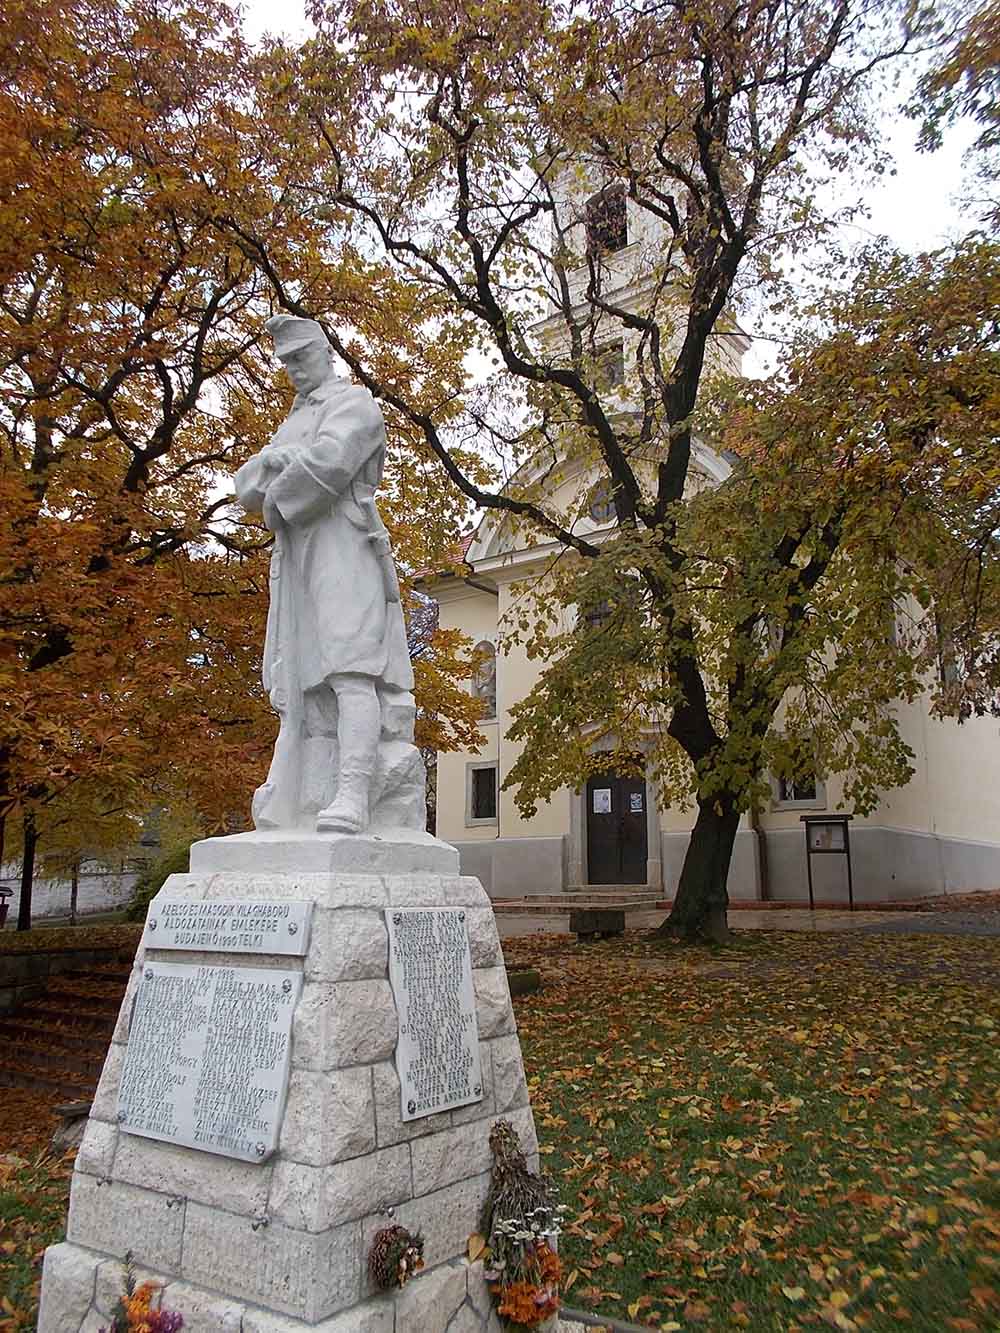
<point>33,1196</point>
<point>797,1131</point>
<point>793,1132</point>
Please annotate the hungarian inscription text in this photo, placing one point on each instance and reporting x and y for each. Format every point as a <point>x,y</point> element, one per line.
<point>207,1058</point>
<point>230,927</point>
<point>430,967</point>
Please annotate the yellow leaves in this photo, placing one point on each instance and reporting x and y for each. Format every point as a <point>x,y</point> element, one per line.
<point>794,1294</point>
<point>476,1247</point>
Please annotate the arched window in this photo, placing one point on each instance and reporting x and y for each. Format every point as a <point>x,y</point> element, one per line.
<point>484,680</point>
<point>607,221</point>
<point>601,506</point>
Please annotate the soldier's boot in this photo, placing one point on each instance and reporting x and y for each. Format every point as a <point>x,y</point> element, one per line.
<point>358,727</point>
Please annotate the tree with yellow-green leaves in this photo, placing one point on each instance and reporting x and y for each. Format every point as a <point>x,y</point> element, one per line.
<point>748,621</point>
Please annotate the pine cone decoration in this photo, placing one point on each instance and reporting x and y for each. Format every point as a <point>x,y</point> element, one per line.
<point>396,1254</point>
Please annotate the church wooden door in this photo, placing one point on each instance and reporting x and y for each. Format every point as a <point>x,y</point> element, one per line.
<point>616,829</point>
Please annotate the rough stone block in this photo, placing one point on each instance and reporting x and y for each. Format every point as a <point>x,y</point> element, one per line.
<point>417,890</point>
<point>309,1276</point>
<point>347,945</point>
<point>429,1301</point>
<point>239,1187</point>
<point>296,1198</point>
<point>465,1320</point>
<point>105,1104</point>
<point>374,1316</point>
<point>97,1148</point>
<point>447,1218</point>
<point>441,1159</point>
<point>484,942</point>
<point>111,1283</point>
<point>348,890</point>
<point>118,1217</point>
<point>466,891</point>
<point>313,1198</point>
<point>390,1126</point>
<point>351,1188</point>
<point>203,1312</point>
<point>343,1023</point>
<point>493,1009</point>
<point>328,1117</point>
<point>509,1085</point>
<point>480,1297</point>
<point>68,1276</point>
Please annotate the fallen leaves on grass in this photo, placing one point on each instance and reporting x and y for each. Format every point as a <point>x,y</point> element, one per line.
<point>795,1131</point>
<point>33,1200</point>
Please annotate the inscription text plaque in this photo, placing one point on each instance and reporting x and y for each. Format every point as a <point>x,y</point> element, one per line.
<point>207,1058</point>
<point>230,927</point>
<point>430,967</point>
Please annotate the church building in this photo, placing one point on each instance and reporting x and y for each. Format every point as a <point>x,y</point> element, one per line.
<point>938,834</point>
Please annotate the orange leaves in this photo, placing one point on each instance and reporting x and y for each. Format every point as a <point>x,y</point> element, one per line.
<point>769,1205</point>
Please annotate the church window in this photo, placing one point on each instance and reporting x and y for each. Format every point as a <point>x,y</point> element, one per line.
<point>601,506</point>
<point>484,679</point>
<point>596,616</point>
<point>607,221</point>
<point>609,367</point>
<point>481,794</point>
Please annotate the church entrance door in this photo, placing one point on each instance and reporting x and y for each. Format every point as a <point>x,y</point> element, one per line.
<point>616,829</point>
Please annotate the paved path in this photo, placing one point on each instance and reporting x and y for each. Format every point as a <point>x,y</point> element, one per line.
<point>986,925</point>
<point>977,923</point>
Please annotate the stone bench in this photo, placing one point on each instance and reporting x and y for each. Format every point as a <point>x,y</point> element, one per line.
<point>591,923</point>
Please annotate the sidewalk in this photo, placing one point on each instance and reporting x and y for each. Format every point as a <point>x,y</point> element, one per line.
<point>872,922</point>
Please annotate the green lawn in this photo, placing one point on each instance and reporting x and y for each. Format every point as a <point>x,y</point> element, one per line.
<point>794,1132</point>
<point>797,1131</point>
<point>33,1199</point>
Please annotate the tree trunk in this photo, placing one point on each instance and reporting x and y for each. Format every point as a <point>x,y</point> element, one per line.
<point>27,873</point>
<point>699,911</point>
<point>74,889</point>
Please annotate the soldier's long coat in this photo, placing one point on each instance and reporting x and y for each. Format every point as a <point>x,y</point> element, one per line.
<point>329,610</point>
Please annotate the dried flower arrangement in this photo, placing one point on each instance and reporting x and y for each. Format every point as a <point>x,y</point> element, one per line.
<point>396,1254</point>
<point>136,1313</point>
<point>521,1225</point>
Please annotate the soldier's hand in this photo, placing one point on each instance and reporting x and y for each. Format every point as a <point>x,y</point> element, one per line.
<point>276,458</point>
<point>271,515</point>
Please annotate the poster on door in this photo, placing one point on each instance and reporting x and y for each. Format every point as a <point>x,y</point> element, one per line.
<point>635,803</point>
<point>602,800</point>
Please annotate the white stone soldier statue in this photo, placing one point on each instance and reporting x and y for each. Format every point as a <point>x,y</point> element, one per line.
<point>336,663</point>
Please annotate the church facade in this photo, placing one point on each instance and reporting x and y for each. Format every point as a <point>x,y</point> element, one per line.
<point>938,834</point>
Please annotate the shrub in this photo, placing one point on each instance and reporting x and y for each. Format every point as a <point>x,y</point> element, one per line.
<point>149,883</point>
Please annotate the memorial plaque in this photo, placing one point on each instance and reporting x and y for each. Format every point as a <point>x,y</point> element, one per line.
<point>230,927</point>
<point>207,1058</point>
<point>430,967</point>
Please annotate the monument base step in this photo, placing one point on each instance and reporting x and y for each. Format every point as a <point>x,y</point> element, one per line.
<point>81,1289</point>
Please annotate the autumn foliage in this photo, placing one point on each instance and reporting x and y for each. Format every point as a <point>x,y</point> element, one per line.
<point>135,378</point>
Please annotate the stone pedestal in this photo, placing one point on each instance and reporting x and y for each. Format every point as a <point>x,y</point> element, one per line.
<point>283,1245</point>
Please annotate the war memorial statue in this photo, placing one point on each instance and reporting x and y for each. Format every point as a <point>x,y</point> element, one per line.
<point>317,1037</point>
<point>336,663</point>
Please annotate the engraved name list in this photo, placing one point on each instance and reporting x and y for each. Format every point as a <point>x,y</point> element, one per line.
<point>430,967</point>
<point>207,1058</point>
